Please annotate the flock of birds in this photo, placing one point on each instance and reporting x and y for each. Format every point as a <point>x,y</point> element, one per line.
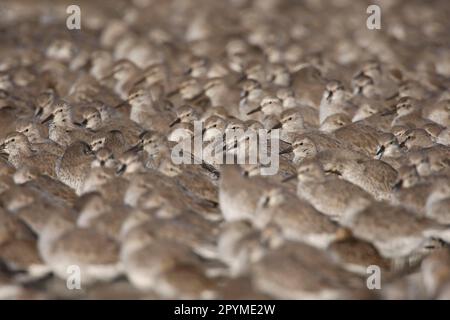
<point>88,119</point>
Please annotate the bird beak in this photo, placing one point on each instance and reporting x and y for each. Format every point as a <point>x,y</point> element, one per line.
<point>139,81</point>
<point>398,185</point>
<point>241,78</point>
<point>287,150</point>
<point>81,124</point>
<point>142,134</point>
<point>109,75</point>
<point>389,111</point>
<point>329,94</point>
<point>358,90</point>
<point>333,171</point>
<point>403,143</point>
<point>138,147</point>
<point>172,93</point>
<point>187,72</point>
<point>2,147</point>
<point>50,117</point>
<point>211,169</point>
<point>395,95</point>
<point>254,110</point>
<point>121,170</point>
<point>38,112</point>
<point>380,151</point>
<point>121,104</point>
<point>89,151</point>
<point>277,126</point>
<point>176,121</point>
<point>289,178</point>
<point>359,74</point>
<point>4,155</point>
<point>270,78</point>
